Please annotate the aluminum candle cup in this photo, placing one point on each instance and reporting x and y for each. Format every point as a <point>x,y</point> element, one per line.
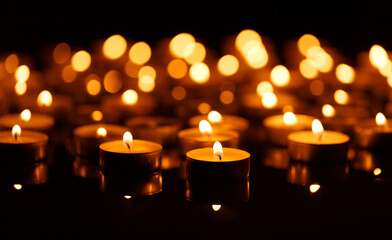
<point>192,138</point>
<point>129,170</point>
<point>87,139</point>
<point>278,129</point>
<point>201,165</point>
<point>231,122</point>
<point>305,146</point>
<point>369,135</point>
<point>37,122</point>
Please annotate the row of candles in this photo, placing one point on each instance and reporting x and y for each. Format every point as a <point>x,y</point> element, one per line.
<point>214,162</point>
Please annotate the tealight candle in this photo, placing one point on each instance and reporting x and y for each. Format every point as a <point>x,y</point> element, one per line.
<point>217,164</point>
<point>126,163</point>
<point>205,136</point>
<point>278,127</point>
<point>318,146</point>
<point>232,122</point>
<point>374,133</point>
<point>27,120</point>
<point>25,146</point>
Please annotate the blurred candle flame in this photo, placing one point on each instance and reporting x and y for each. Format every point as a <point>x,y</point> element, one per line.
<point>328,111</point>
<point>216,207</point>
<point>317,129</point>
<point>16,131</point>
<point>218,150</point>
<point>25,115</point>
<point>214,117</point>
<point>44,99</point>
<point>314,187</point>
<point>289,119</point>
<point>101,132</point>
<point>127,140</point>
<point>381,121</point>
<point>269,100</point>
<point>18,186</point>
<point>129,97</point>
<point>205,128</point>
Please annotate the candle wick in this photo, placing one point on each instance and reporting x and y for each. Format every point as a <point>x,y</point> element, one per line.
<point>128,146</point>
<point>16,137</point>
<point>220,157</point>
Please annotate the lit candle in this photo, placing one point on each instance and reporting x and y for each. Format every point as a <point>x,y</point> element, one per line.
<point>318,145</point>
<point>217,163</point>
<point>131,167</point>
<point>278,127</point>
<point>374,133</point>
<point>27,120</point>
<point>19,146</point>
<point>205,136</point>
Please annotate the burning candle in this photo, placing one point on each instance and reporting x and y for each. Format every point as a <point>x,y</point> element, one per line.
<point>131,167</point>
<point>217,163</point>
<point>21,147</point>
<point>318,145</point>
<point>278,127</point>
<point>374,133</point>
<point>205,136</point>
<point>27,120</point>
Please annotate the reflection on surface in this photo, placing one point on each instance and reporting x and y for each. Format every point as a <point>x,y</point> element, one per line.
<point>33,173</point>
<point>86,167</point>
<point>276,157</point>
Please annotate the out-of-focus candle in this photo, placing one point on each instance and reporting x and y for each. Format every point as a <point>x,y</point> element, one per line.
<point>374,133</point>
<point>205,136</point>
<point>27,120</point>
<point>278,127</point>
<point>318,146</point>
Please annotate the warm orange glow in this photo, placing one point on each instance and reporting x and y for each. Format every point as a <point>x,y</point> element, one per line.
<point>317,129</point>
<point>328,111</point>
<point>345,73</point>
<point>68,74</point>
<point>177,68</point>
<point>22,73</point>
<point>204,108</point>
<point>316,87</point>
<point>314,187</point>
<point>18,186</point>
<point>269,100</point>
<point>11,63</point>
<point>114,47</point>
<point>307,69</point>
<point>140,53</point>
<point>197,53</point>
<point>81,61</point>
<point>381,121</point>
<point>127,140</point>
<point>61,53</point>
<point>377,171</point>
<point>257,57</point>
<point>386,68</point>
<point>280,76</point>
<point>129,97</point>
<point>377,56</point>
<point>20,88</point>
<point>147,71</point>
<point>101,132</point>
<point>16,131</point>
<point>127,196</point>
<point>264,87</point>
<point>44,99</point>
<point>131,69</point>
<point>320,59</point>
<point>205,128</point>
<point>244,37</point>
<point>112,81</point>
<point>226,97</point>
<point>25,115</point>
<point>228,65</point>
<point>93,87</point>
<point>182,45</point>
<point>146,83</point>
<point>178,93</point>
<point>199,72</point>
<point>214,117</point>
<point>218,150</point>
<point>305,42</point>
<point>97,115</point>
<point>216,207</point>
<point>341,97</point>
<point>289,118</point>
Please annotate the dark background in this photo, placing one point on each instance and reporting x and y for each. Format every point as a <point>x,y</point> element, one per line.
<point>351,27</point>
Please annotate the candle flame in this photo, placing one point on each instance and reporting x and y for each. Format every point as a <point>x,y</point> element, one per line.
<point>381,120</point>
<point>101,132</point>
<point>328,111</point>
<point>214,117</point>
<point>317,129</point>
<point>216,207</point>
<point>18,186</point>
<point>289,119</point>
<point>205,128</point>
<point>44,99</point>
<point>269,100</point>
<point>16,131</point>
<point>218,150</point>
<point>314,187</point>
<point>129,97</point>
<point>25,115</point>
<point>127,140</point>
